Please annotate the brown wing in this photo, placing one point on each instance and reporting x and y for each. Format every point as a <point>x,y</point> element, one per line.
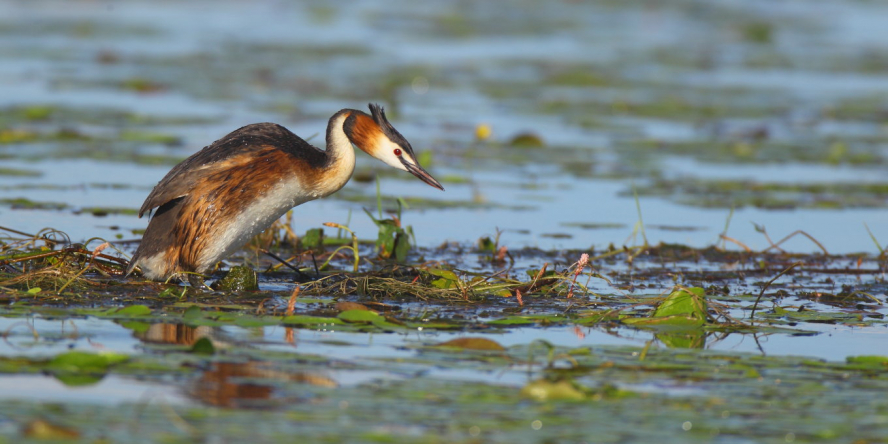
<point>230,151</point>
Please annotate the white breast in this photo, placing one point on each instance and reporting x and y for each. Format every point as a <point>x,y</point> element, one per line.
<point>254,219</point>
<point>270,205</point>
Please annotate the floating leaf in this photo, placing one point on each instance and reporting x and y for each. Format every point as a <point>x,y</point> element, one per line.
<point>513,320</point>
<point>132,310</point>
<point>530,319</point>
<point>84,361</point>
<point>214,306</point>
<point>136,326</point>
<point>346,306</point>
<point>593,317</point>
<point>868,360</point>
<point>310,320</point>
<point>527,140</point>
<point>808,315</point>
<point>360,316</point>
<point>192,313</point>
<point>481,344</point>
<point>203,346</point>
<point>543,390</point>
<point>79,379</point>
<point>44,430</point>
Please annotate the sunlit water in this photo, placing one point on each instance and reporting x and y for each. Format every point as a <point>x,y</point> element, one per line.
<point>376,357</point>
<point>59,66</point>
<point>442,81</point>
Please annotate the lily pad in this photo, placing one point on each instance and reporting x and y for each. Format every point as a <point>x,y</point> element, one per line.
<point>356,316</point>
<point>311,320</point>
<point>134,311</point>
<point>543,390</point>
<point>480,344</point>
<point>203,346</point>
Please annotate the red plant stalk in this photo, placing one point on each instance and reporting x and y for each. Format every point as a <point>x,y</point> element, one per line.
<point>581,265</point>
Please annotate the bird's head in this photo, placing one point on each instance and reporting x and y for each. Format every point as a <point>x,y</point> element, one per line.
<point>377,137</point>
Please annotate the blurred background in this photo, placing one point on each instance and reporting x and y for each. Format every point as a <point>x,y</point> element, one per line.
<point>544,120</point>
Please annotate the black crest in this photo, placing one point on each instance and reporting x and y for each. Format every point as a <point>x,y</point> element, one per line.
<point>378,114</point>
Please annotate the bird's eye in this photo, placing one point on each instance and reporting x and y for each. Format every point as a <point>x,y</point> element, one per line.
<point>398,152</point>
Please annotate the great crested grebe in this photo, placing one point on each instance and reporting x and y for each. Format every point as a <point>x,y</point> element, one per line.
<point>212,203</point>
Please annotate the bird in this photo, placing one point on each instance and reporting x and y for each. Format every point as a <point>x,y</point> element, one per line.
<point>212,203</point>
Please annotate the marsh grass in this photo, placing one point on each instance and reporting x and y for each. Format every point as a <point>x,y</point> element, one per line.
<point>32,264</point>
<point>438,284</point>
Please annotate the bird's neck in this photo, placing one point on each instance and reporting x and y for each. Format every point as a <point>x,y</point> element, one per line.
<point>340,155</point>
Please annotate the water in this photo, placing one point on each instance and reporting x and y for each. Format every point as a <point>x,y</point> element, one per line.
<point>625,98</point>
<point>352,53</point>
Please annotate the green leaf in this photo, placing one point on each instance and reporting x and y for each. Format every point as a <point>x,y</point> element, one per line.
<point>79,379</point>
<point>684,301</point>
<point>402,247</point>
<point>442,273</point>
<point>171,292</point>
<point>192,313</point>
<point>443,284</point>
<point>310,320</point>
<point>868,360</point>
<point>388,232</point>
<point>203,346</point>
<point>544,390</point>
<point>359,316</point>
<point>685,339</point>
<point>592,317</point>
<point>485,244</point>
<point>533,272</point>
<point>684,308</point>
<point>136,326</point>
<point>35,290</point>
<point>84,362</point>
<point>314,238</point>
<point>512,320</point>
<point>132,311</point>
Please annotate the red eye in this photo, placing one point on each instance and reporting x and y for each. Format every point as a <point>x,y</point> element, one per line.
<point>398,152</point>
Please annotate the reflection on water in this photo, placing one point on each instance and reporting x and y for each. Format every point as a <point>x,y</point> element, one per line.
<point>235,383</point>
<point>176,334</point>
<point>248,384</point>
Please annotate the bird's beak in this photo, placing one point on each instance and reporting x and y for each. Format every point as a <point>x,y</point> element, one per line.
<point>422,174</point>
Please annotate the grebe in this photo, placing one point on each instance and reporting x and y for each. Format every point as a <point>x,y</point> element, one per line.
<point>212,203</point>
